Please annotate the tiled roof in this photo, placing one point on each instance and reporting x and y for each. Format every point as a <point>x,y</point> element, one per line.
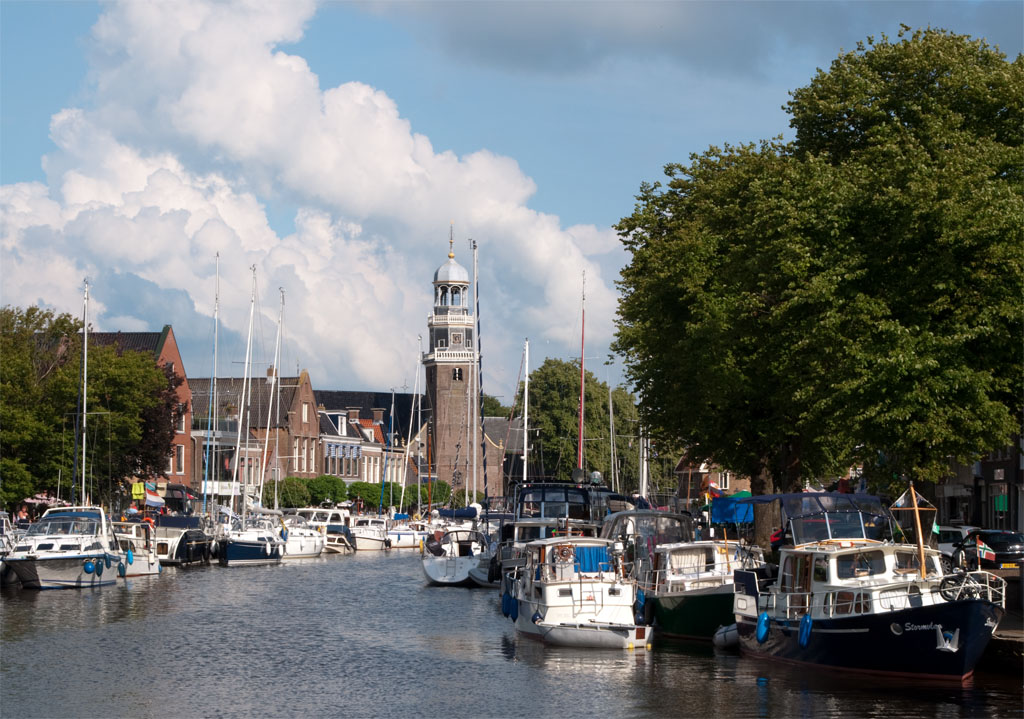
<point>336,400</point>
<point>151,342</point>
<point>229,395</point>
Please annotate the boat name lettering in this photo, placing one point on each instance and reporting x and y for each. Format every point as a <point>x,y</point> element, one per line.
<point>917,627</point>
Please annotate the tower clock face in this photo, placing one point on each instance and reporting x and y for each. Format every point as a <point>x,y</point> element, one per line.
<point>456,338</point>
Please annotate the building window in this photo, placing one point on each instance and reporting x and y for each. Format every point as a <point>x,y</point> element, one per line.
<point>181,419</point>
<point>179,459</point>
<point>441,343</point>
<point>305,411</point>
<point>295,452</point>
<point>170,462</point>
<point>723,481</point>
<point>457,374</point>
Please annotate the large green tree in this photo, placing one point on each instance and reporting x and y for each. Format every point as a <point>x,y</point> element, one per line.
<point>131,403</point>
<point>790,309</point>
<point>554,427</point>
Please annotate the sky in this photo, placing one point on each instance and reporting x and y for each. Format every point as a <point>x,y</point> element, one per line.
<point>163,150</point>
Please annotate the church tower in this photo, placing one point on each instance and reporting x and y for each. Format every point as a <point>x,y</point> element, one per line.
<point>449,362</point>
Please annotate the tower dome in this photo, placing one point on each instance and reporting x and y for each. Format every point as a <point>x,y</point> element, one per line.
<point>451,271</point>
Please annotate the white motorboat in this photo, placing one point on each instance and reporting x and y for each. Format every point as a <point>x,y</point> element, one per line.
<point>409,534</point>
<point>8,540</point>
<point>301,540</point>
<point>333,522</point>
<point>138,543</point>
<point>69,547</point>
<point>449,556</point>
<point>370,533</point>
<point>574,592</point>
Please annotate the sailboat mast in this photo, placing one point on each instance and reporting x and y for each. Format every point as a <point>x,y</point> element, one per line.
<point>474,372</point>
<point>583,321</point>
<point>611,438</point>
<point>243,401</point>
<point>85,377</point>
<point>275,392</point>
<point>211,414</point>
<point>526,404</point>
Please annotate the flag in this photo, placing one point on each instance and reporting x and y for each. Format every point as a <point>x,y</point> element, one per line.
<point>935,527</point>
<point>985,552</point>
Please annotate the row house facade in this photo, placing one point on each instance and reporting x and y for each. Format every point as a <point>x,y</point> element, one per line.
<point>269,423</point>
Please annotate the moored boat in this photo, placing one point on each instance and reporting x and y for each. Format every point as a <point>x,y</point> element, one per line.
<point>574,592</point>
<point>370,533</point>
<point>849,597</point>
<point>333,522</point>
<point>449,556</point>
<point>301,540</point>
<point>138,544</point>
<point>70,547</point>
<point>688,584</point>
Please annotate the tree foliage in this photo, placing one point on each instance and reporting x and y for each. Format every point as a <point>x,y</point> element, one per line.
<point>291,492</point>
<point>131,405</point>
<point>852,296</point>
<point>554,426</point>
<point>326,488</point>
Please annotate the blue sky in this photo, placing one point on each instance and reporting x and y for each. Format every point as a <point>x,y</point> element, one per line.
<point>333,145</point>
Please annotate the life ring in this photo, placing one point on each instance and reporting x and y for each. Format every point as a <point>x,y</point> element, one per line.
<point>763,625</point>
<point>151,521</point>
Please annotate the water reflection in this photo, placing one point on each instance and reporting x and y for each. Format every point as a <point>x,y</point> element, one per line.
<point>364,636</point>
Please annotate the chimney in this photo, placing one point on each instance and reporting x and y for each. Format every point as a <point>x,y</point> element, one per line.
<point>353,414</point>
<point>378,415</point>
<point>270,374</point>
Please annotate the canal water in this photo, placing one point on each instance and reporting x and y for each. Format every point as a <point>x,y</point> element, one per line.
<point>363,636</point>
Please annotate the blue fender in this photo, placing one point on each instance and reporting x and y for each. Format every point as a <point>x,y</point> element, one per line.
<point>120,569</point>
<point>89,567</point>
<point>513,610</point>
<point>129,556</point>
<point>805,630</point>
<point>763,625</point>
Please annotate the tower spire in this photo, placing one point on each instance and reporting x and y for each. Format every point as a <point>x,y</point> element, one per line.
<point>451,241</point>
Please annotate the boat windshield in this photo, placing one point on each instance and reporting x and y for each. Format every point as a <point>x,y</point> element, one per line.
<point>65,524</point>
<point>556,502</point>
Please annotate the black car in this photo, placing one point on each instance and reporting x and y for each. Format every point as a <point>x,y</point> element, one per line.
<point>990,549</point>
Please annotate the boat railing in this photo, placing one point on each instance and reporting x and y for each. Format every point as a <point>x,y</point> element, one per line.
<point>885,597</point>
<point>667,580</point>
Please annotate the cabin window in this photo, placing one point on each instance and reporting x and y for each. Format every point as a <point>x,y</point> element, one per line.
<point>820,568</point>
<point>860,564</point>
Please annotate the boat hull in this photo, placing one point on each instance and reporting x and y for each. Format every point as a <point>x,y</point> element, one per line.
<point>693,615</point>
<point>65,572</point>
<point>364,543</point>
<point>939,641</point>
<point>580,635</point>
<point>447,571</point>
<point>241,552</point>
<point>304,546</point>
<point>406,539</point>
<point>180,547</point>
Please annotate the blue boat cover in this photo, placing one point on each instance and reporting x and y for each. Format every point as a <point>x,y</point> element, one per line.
<point>590,559</point>
<point>725,510</point>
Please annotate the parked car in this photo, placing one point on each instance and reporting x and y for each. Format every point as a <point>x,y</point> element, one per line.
<point>990,549</point>
<point>951,535</point>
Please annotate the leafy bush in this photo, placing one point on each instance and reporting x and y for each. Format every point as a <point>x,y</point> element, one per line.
<point>291,492</point>
<point>326,488</point>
